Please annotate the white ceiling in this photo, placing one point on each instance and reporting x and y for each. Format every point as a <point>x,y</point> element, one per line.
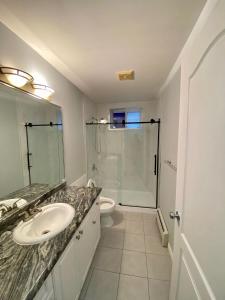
<point>96,38</point>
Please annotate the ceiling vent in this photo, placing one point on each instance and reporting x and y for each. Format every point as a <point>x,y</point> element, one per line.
<point>126,75</point>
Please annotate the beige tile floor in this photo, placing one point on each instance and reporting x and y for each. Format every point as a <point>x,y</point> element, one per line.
<point>130,263</point>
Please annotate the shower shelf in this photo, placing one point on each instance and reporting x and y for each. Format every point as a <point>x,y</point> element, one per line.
<point>170,164</point>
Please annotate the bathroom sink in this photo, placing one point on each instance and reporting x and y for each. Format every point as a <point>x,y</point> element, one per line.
<point>52,219</point>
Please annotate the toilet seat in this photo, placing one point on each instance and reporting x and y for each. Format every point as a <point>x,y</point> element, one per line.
<point>107,206</point>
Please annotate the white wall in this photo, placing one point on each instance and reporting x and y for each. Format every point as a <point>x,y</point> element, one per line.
<point>15,52</point>
<point>169,115</point>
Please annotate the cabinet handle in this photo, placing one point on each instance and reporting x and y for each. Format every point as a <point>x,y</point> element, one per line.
<point>94,222</point>
<point>78,237</point>
<point>81,231</point>
<point>97,203</point>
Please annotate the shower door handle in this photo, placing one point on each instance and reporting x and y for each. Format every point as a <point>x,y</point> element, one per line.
<point>155,164</point>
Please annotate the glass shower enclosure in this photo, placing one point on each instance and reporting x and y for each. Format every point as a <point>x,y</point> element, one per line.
<point>124,162</point>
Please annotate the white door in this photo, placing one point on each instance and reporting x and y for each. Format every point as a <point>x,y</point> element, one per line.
<point>199,255</point>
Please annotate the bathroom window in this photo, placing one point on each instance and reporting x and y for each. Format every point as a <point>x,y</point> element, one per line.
<point>121,116</point>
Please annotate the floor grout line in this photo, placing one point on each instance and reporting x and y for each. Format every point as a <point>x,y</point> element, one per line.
<point>117,292</point>
<point>131,275</point>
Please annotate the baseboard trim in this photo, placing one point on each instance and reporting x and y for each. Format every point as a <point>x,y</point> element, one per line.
<point>82,181</point>
<point>170,251</point>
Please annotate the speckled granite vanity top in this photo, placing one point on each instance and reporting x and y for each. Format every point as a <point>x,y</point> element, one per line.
<point>23,269</point>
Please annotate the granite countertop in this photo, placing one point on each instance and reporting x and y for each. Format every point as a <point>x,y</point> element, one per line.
<point>23,269</point>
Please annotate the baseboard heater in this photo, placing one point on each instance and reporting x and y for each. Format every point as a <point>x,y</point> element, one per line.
<point>162,228</point>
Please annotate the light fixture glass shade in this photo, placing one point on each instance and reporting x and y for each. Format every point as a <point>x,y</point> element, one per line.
<point>42,90</point>
<point>16,77</point>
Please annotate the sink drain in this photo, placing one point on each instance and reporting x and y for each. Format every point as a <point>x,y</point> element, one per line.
<point>45,232</point>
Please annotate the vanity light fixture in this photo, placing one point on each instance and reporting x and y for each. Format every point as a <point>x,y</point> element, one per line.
<point>42,90</point>
<point>15,76</point>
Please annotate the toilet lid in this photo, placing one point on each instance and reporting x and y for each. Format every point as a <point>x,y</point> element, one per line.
<point>105,204</point>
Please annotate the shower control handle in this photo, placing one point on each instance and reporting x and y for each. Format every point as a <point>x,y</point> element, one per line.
<point>155,164</point>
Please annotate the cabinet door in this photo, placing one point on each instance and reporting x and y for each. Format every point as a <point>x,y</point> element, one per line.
<point>85,247</point>
<point>89,233</point>
<point>66,277</point>
<point>95,225</point>
<point>46,291</point>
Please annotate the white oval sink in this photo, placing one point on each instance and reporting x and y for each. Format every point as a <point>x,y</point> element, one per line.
<point>53,219</point>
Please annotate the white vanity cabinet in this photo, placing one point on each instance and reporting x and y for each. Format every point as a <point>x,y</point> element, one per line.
<point>71,269</point>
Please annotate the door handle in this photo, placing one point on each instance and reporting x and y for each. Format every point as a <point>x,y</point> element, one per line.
<point>155,163</point>
<point>174,215</point>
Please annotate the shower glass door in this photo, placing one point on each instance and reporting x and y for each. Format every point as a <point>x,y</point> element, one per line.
<point>124,163</point>
<point>139,166</point>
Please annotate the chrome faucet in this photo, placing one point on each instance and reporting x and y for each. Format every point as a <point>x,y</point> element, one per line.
<point>27,215</point>
<point>15,203</point>
<point>4,209</point>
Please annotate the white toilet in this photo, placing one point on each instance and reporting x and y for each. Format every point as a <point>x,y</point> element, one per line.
<point>107,207</point>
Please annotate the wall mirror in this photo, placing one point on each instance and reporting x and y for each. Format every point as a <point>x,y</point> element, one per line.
<point>31,136</point>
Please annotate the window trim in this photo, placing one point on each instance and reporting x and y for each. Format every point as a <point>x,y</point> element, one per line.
<point>126,110</point>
